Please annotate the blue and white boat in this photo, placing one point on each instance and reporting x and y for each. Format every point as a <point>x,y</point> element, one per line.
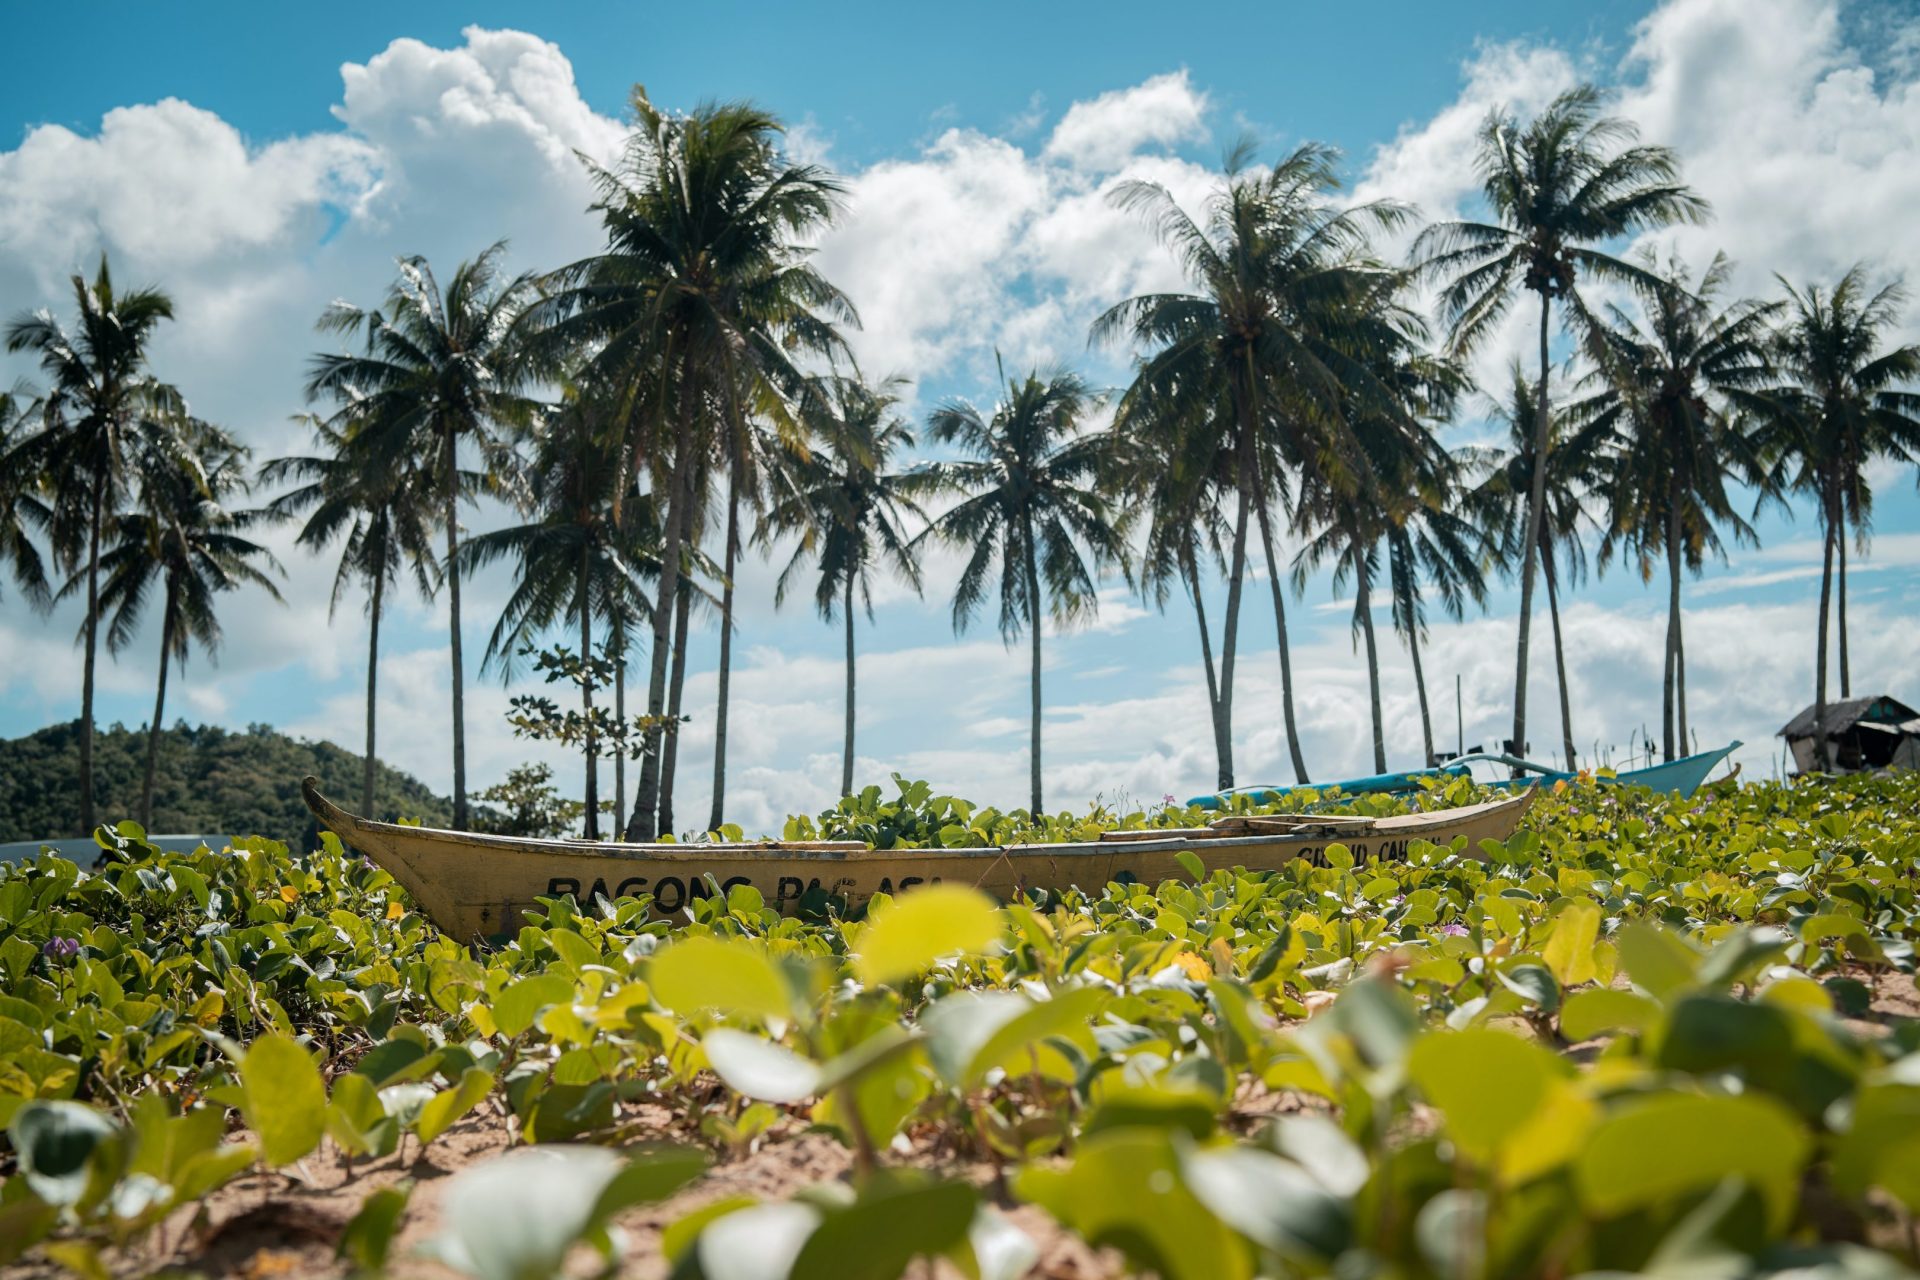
<point>1683,776</point>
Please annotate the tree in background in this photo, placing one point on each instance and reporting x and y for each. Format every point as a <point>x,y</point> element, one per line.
<point>1558,187</point>
<point>1842,402</point>
<point>848,511</point>
<point>438,366</point>
<point>1033,508</point>
<point>183,537</point>
<point>1258,355</point>
<point>24,505</point>
<point>1665,377</point>
<point>104,418</point>
<point>387,511</point>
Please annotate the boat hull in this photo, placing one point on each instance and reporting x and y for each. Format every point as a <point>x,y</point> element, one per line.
<point>479,886</point>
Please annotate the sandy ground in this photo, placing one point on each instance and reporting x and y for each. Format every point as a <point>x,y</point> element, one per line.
<point>284,1224</point>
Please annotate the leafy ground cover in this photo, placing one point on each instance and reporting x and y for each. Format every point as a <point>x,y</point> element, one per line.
<point>1643,1035</point>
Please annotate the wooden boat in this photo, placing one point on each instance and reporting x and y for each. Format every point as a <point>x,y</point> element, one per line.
<point>1685,776</point>
<point>476,886</point>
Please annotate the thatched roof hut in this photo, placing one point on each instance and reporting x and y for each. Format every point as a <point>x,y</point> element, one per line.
<point>1878,732</point>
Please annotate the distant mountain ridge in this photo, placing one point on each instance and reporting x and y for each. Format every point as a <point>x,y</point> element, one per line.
<point>208,779</point>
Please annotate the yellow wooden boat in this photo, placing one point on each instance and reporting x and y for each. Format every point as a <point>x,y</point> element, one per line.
<point>477,886</point>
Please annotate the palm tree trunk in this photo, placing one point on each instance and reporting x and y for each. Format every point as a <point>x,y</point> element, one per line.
<point>1034,615</point>
<point>1668,718</point>
<point>1191,571</point>
<point>1363,611</point>
<point>716,814</point>
<point>1286,657</point>
<point>1407,613</point>
<point>373,672</point>
<point>1559,662</point>
<point>1846,681</point>
<point>643,824</point>
<point>460,815</point>
<point>1230,633</point>
<point>670,767</point>
<point>86,677</point>
<point>159,709</point>
<point>620,715</point>
<point>1536,517</point>
<point>846,754</point>
<point>1821,756</point>
<point>592,817</point>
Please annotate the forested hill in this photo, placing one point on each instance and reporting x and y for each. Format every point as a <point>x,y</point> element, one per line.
<point>210,780</point>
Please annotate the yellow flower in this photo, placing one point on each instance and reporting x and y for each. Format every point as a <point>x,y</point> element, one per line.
<point>289,894</point>
<point>393,911</point>
<point>1560,787</point>
<point>1196,967</point>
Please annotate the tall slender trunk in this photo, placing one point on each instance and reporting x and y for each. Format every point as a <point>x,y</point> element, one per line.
<point>1407,612</point>
<point>670,767</point>
<point>1559,661</point>
<point>643,824</point>
<point>1363,613</point>
<point>620,715</point>
<point>1286,657</point>
<point>1420,688</point>
<point>1230,631</point>
<point>846,754</point>
<point>1822,757</point>
<point>1680,683</point>
<point>1191,571</point>
<point>717,813</point>
<point>1034,616</point>
<point>460,815</point>
<point>1840,545</point>
<point>92,634</point>
<point>367,766</point>
<point>159,708</point>
<point>1536,517</point>
<point>592,827</point>
<point>1668,717</point>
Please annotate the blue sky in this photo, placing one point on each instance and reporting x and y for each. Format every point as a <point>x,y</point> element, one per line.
<point>260,163</point>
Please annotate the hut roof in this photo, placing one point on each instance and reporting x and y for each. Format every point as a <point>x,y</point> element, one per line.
<point>1845,713</point>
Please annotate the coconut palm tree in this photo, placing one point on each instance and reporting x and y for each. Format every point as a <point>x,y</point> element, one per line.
<point>1258,355</point>
<point>1664,379</point>
<point>183,537</point>
<point>1844,401</point>
<point>848,512</point>
<point>23,503</point>
<point>1033,508</point>
<point>1558,188</point>
<point>388,515</point>
<point>104,417</point>
<point>1498,504</point>
<point>696,311</point>
<point>438,366</point>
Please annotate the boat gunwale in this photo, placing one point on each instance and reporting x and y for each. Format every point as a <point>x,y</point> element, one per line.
<point>1411,827</point>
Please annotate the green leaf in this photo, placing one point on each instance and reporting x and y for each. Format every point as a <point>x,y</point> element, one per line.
<point>56,1142</point>
<point>1589,1013</point>
<point>1271,1201</point>
<point>759,1243</point>
<point>708,973</point>
<point>1659,961</point>
<point>515,1008</point>
<point>368,1235</point>
<point>896,1219</point>
<point>357,1121</point>
<point>283,1098</point>
<point>444,1109</point>
<point>1569,952</point>
<point>1674,1144</point>
<point>758,1068</point>
<point>922,926</point>
<point>1191,864</point>
<point>1486,1083</point>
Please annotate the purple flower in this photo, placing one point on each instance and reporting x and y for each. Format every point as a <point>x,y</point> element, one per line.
<point>1167,799</point>
<point>1454,930</point>
<point>61,948</point>
<point>1398,900</point>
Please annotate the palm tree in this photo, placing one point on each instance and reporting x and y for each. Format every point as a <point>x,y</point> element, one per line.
<point>104,417</point>
<point>568,560</point>
<point>1259,354</point>
<point>1842,405</point>
<point>23,502</point>
<point>388,515</point>
<point>1570,180</point>
<point>1498,503</point>
<point>848,511</point>
<point>437,365</point>
<point>181,537</point>
<point>1665,379</point>
<point>1033,506</point>
<point>696,311</point>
